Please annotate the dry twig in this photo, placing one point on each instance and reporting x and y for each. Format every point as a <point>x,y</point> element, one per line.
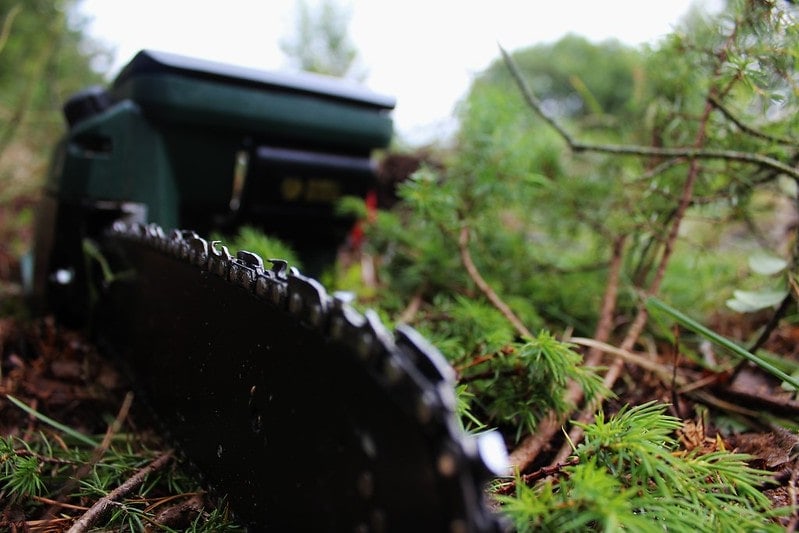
<point>532,445</point>
<point>101,506</point>
<point>485,288</point>
<point>84,470</point>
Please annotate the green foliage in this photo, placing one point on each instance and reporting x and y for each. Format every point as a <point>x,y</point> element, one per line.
<point>256,241</point>
<point>44,59</point>
<point>767,294</point>
<point>576,78</point>
<point>650,97</point>
<point>523,382</point>
<point>20,475</point>
<point>678,151</point>
<point>631,476</point>
<point>722,341</point>
<point>38,466</point>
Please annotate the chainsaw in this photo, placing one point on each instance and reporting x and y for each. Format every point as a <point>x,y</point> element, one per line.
<point>305,412</point>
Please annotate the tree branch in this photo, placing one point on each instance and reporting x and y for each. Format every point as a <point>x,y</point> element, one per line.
<point>641,318</point>
<point>523,455</point>
<point>528,450</point>
<point>693,153</point>
<point>541,473</point>
<point>101,506</point>
<point>485,288</point>
<point>728,114</point>
<point>98,454</point>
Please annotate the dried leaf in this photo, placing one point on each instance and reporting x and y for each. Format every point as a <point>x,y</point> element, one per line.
<point>774,448</point>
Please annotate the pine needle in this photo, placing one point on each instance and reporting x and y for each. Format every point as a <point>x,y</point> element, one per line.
<point>77,435</point>
<point>712,336</point>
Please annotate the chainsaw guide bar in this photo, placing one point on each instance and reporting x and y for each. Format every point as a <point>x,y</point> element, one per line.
<point>306,413</point>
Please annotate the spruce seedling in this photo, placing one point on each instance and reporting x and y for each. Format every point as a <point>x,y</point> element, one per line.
<point>631,476</point>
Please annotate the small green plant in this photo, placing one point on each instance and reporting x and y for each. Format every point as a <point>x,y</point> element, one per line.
<point>521,383</point>
<point>59,464</point>
<point>254,240</point>
<point>20,471</point>
<point>631,475</point>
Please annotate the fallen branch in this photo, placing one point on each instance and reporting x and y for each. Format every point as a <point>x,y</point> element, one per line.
<point>543,472</point>
<point>56,503</point>
<point>627,356</point>
<point>98,453</point>
<point>101,506</point>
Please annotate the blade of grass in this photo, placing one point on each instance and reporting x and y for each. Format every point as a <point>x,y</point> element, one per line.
<point>53,423</point>
<point>712,336</point>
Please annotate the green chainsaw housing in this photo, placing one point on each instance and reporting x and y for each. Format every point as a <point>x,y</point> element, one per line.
<point>305,413</point>
<point>183,142</point>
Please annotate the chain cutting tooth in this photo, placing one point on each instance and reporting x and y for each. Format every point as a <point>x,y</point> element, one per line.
<point>219,259</point>
<point>345,322</point>
<point>308,300</point>
<point>182,249</point>
<point>263,284</point>
<point>279,266</point>
<point>173,243</point>
<point>424,355</point>
<point>245,268</point>
<point>138,231</point>
<point>198,252</point>
<point>154,233</point>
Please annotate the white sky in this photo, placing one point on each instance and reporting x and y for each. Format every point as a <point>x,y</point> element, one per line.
<point>424,53</point>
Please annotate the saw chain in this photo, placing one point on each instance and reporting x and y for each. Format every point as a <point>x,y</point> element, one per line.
<point>306,413</point>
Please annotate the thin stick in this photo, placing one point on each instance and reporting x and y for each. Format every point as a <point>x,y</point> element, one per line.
<point>60,504</point>
<point>749,129</point>
<point>532,445</point>
<point>101,506</point>
<point>98,453</point>
<point>115,426</point>
<point>485,288</point>
<point>410,311</point>
<point>541,473</point>
<point>637,327</point>
<point>629,357</point>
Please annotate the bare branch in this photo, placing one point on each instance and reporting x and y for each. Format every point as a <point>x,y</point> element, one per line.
<point>728,114</point>
<point>531,446</point>
<point>485,288</point>
<point>101,506</point>
<point>695,152</point>
<point>528,450</point>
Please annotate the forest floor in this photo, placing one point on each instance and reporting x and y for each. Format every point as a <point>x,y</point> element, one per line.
<point>48,370</point>
<point>61,374</point>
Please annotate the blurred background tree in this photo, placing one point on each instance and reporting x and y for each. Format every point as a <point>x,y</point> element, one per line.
<point>320,42</point>
<point>44,58</point>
